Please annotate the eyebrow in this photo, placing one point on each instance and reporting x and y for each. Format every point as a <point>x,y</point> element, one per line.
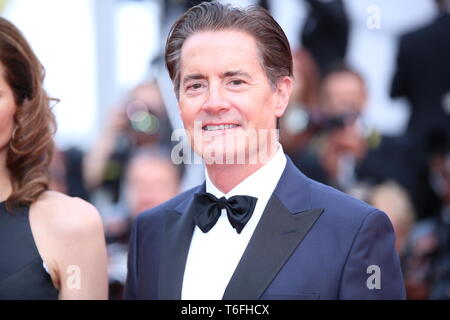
<point>227,74</point>
<point>195,76</point>
<point>241,73</point>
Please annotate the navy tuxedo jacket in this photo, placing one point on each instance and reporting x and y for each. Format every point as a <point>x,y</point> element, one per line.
<point>312,242</point>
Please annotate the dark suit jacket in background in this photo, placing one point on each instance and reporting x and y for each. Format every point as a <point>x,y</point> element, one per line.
<point>326,32</point>
<point>312,242</point>
<point>423,77</point>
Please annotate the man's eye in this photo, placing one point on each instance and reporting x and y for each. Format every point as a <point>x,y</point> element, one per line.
<point>237,82</point>
<point>195,86</point>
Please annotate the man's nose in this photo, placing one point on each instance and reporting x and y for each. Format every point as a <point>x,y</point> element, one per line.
<point>216,101</point>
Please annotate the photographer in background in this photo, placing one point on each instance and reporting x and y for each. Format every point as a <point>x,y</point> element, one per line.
<point>332,155</point>
<point>344,156</point>
<point>140,121</point>
<point>150,179</point>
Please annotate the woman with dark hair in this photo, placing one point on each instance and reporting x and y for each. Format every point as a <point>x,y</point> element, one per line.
<point>51,246</point>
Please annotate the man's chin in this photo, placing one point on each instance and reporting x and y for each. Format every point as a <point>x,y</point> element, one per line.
<point>218,156</point>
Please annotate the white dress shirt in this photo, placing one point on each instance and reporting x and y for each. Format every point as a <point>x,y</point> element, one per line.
<point>214,256</point>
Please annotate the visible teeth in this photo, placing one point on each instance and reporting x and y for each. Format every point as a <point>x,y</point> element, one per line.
<point>220,127</point>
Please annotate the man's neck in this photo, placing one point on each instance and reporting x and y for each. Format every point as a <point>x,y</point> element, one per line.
<point>227,176</point>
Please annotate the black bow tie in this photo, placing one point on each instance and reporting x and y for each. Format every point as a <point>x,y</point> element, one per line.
<point>207,209</point>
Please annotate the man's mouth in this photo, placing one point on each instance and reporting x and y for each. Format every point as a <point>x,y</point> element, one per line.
<point>217,127</point>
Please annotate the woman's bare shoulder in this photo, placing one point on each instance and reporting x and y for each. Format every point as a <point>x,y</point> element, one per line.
<point>62,213</point>
<point>69,232</point>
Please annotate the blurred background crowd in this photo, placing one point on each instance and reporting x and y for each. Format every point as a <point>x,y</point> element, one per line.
<point>369,114</point>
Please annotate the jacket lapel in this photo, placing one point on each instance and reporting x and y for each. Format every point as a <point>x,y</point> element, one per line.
<point>283,225</point>
<point>285,222</point>
<point>176,242</point>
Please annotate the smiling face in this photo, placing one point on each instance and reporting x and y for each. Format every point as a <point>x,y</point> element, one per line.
<point>7,111</point>
<point>225,95</point>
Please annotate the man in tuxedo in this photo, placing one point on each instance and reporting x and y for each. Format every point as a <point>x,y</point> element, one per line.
<point>257,228</point>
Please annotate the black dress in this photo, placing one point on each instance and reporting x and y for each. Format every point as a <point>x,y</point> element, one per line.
<point>22,273</point>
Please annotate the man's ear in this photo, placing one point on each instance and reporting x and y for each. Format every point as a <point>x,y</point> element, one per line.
<point>283,92</point>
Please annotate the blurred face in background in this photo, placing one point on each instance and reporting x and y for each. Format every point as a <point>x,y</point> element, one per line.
<point>7,111</point>
<point>396,203</point>
<point>150,182</point>
<point>342,100</point>
<point>342,92</point>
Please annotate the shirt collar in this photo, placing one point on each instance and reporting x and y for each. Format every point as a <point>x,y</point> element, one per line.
<point>259,183</point>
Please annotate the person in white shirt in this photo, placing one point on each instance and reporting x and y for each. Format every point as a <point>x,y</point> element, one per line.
<point>257,228</point>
